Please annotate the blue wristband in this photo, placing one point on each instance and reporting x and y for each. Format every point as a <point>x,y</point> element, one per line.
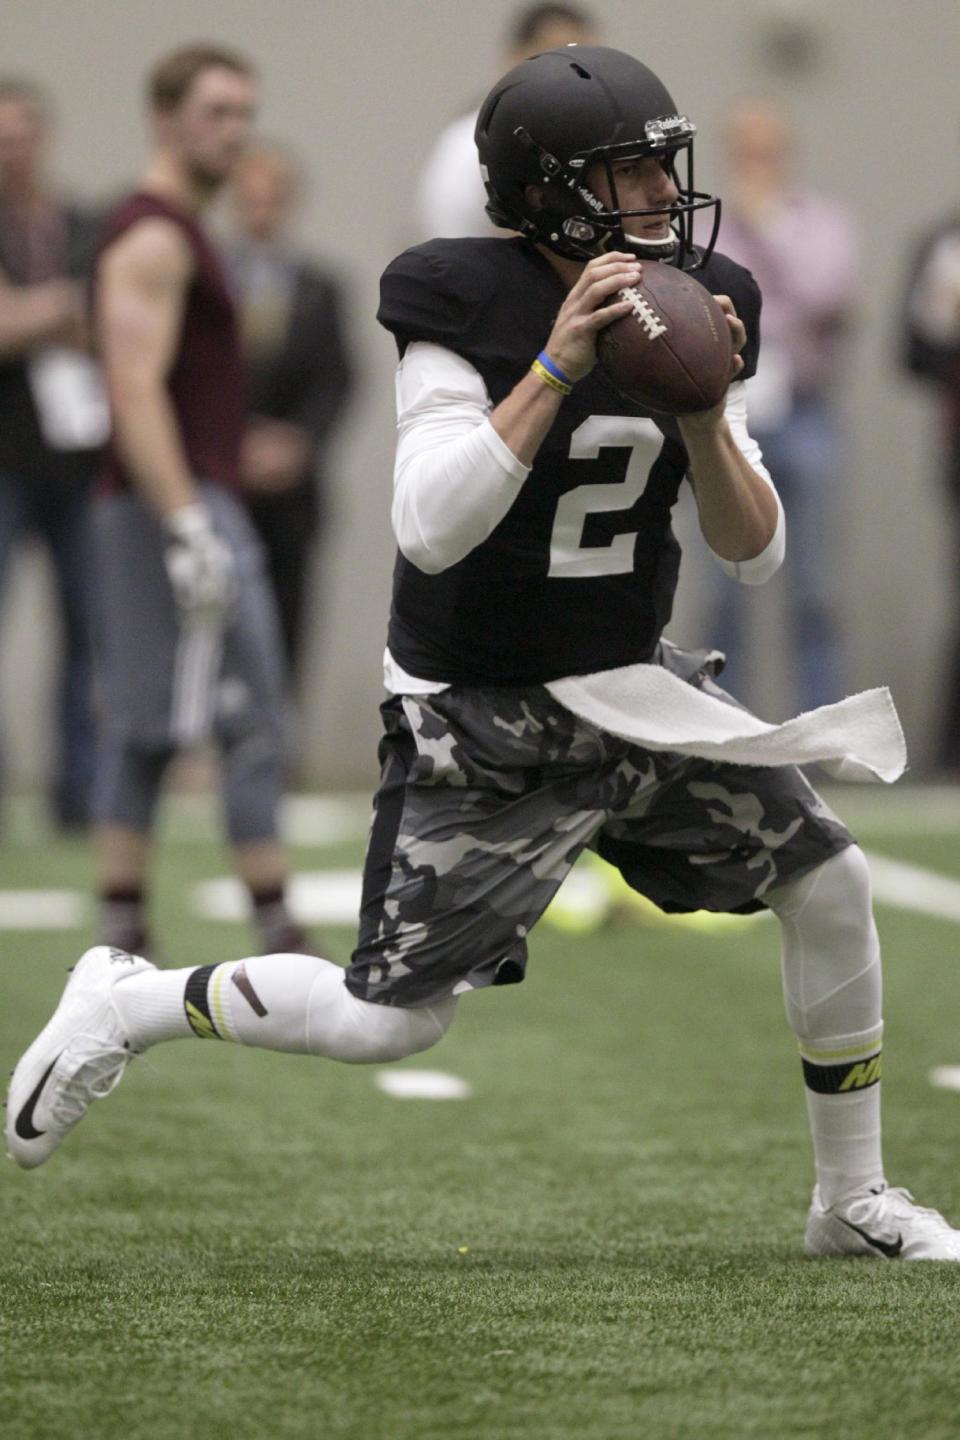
<point>554,369</point>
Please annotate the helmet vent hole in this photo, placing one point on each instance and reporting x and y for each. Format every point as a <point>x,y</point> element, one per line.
<point>579,70</point>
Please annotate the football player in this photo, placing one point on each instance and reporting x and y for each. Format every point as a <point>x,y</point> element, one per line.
<point>189,647</point>
<point>532,510</point>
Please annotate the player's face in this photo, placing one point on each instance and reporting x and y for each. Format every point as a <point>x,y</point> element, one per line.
<point>210,129</point>
<point>641,184</point>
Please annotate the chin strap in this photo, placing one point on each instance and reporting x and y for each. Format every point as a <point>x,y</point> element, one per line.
<point>663,249</point>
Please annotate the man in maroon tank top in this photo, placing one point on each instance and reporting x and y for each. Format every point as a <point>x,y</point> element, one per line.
<point>189,647</point>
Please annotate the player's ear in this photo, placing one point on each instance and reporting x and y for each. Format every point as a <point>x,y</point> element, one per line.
<point>533,194</point>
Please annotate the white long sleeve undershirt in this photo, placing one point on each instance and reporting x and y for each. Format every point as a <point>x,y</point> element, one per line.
<point>455,478</point>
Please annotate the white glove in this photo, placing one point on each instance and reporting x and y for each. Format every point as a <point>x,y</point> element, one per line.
<point>199,565</point>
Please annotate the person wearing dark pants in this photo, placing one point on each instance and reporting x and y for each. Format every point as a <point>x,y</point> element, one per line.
<point>298,364</point>
<point>52,413</point>
<point>930,350</point>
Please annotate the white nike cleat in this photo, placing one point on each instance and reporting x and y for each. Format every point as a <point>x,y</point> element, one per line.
<point>882,1223</point>
<point>78,1057</point>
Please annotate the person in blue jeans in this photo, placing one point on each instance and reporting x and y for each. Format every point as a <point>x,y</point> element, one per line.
<point>804,452</point>
<point>801,248</point>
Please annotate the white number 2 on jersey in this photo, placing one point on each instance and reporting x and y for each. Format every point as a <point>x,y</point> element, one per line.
<point>570,559</point>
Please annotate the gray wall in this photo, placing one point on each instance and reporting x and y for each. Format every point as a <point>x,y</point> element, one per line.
<point>361,89</point>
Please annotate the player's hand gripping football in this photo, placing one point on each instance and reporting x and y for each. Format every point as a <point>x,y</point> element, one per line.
<point>738,332</point>
<point>590,305</point>
<point>738,335</point>
<point>199,565</point>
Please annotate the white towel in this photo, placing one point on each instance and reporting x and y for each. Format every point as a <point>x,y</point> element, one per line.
<point>859,738</point>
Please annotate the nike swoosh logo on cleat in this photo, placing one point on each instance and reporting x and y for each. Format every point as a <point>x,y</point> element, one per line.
<point>25,1127</point>
<point>890,1248</point>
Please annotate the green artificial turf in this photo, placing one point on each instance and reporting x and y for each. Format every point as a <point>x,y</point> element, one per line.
<point>604,1242</point>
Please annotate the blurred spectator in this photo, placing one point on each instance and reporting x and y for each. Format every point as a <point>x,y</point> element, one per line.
<point>299,377</point>
<point>931,351</point>
<point>52,410</point>
<point>802,249</point>
<point>188,641</point>
<point>451,199</point>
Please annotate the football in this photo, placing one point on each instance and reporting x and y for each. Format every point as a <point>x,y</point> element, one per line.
<point>672,352</point>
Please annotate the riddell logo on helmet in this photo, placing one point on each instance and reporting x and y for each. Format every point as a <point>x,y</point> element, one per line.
<point>644,314</point>
<point>590,198</point>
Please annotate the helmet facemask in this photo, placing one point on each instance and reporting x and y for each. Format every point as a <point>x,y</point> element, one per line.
<point>574,223</point>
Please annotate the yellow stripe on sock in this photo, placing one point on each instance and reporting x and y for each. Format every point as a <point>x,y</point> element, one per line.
<point>216,1002</point>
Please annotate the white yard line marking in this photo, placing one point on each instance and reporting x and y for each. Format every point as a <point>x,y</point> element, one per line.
<point>43,909</point>
<point>945,1077</point>
<point>911,887</point>
<point>422,1085</point>
<point>330,897</point>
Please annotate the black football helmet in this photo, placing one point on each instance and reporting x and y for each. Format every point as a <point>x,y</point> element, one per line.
<point>552,117</point>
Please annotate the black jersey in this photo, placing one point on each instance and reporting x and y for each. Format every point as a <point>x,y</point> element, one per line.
<point>580,573</point>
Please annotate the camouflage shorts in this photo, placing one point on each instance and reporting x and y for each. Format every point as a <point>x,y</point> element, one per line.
<point>486,799</point>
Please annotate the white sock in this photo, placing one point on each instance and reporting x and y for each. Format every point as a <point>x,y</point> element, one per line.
<point>844,1123</point>
<point>291,1002</point>
<point>833,998</point>
<point>150,1004</point>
